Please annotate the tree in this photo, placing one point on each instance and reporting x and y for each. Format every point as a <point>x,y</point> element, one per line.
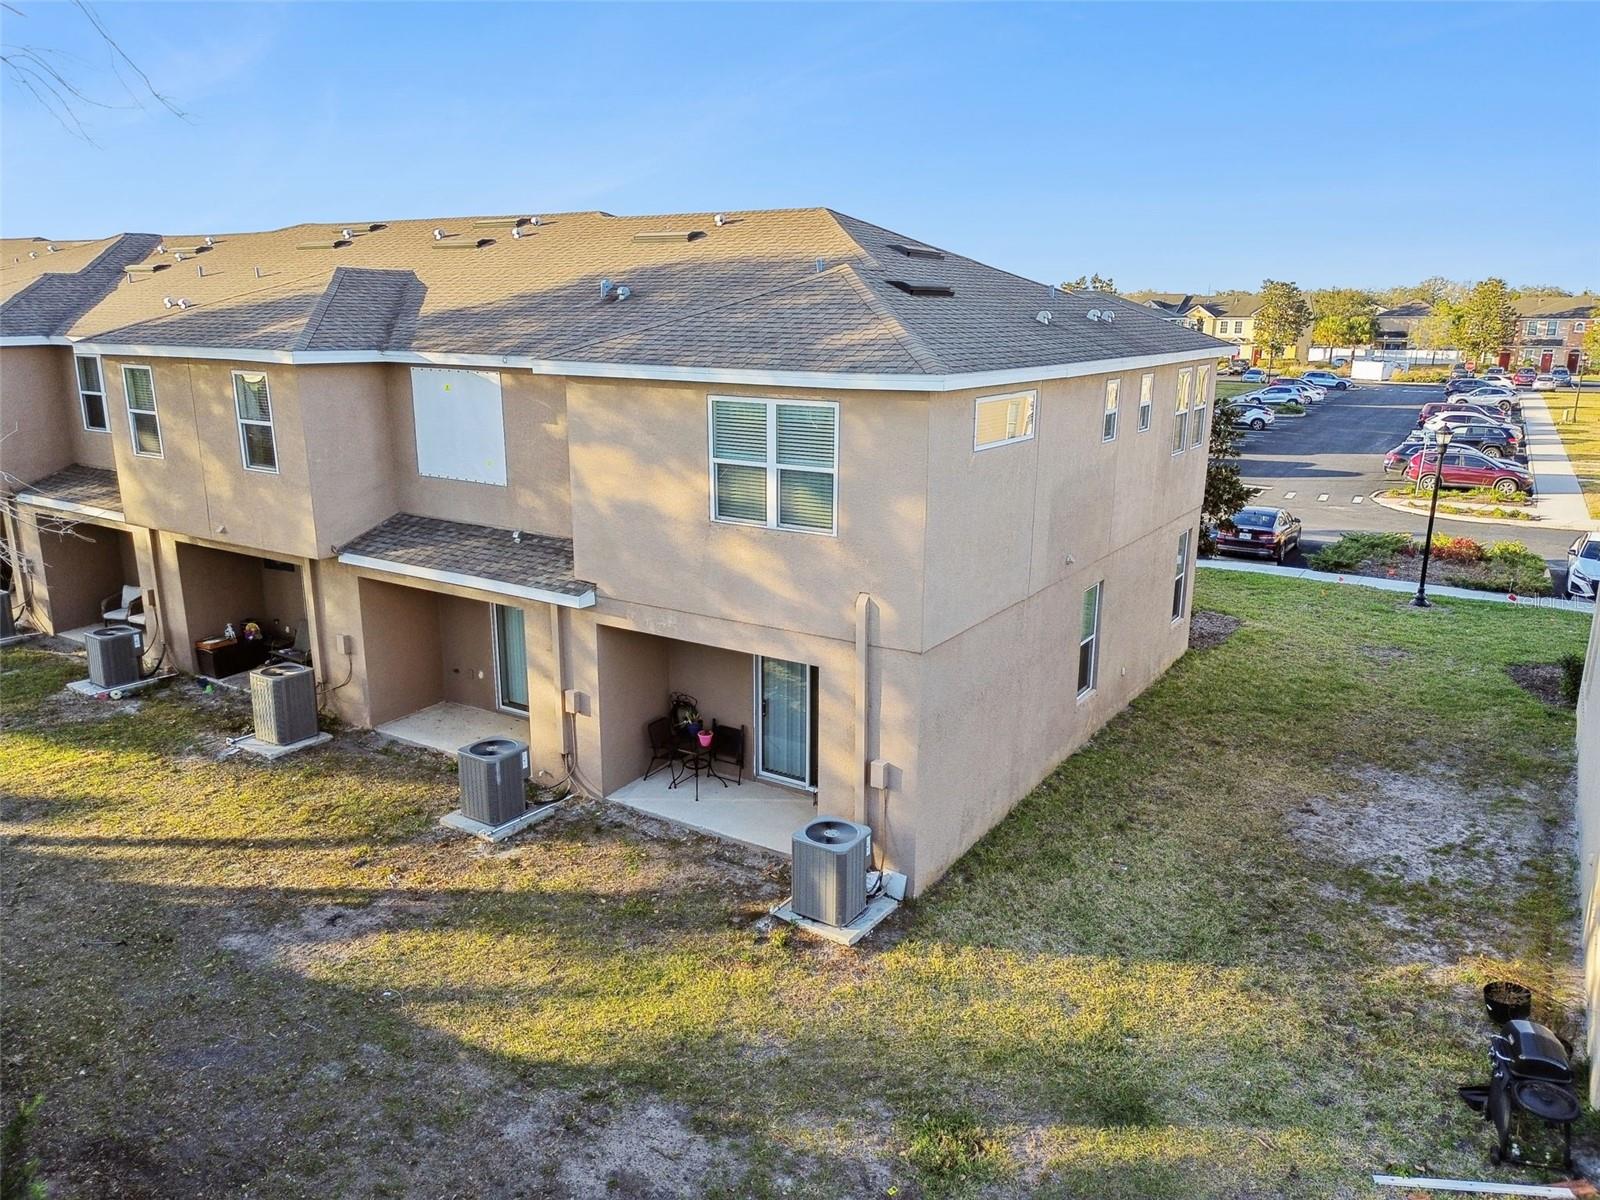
<point>1282,317</point>
<point>1343,317</point>
<point>1488,321</point>
<point>1226,492</point>
<point>1090,283</point>
<point>1437,330</point>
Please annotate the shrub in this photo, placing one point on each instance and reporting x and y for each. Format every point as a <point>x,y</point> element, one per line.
<point>1291,409</point>
<point>19,1170</point>
<point>1571,677</point>
<point>1457,549</point>
<point>1421,375</point>
<point>1353,549</point>
<point>1505,550</point>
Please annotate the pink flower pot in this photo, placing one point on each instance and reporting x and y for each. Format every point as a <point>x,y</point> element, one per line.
<point>705,739</point>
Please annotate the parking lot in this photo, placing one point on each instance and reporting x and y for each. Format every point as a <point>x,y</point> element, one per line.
<point>1324,467</point>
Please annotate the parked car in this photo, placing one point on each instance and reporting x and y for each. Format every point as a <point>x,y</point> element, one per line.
<point>1397,458</point>
<point>1248,416</point>
<point>1562,376</point>
<point>1453,418</point>
<point>1312,393</point>
<point>1459,370</point>
<point>1524,377</point>
<point>1461,383</point>
<point>1544,382</point>
<point>1466,468</point>
<point>1275,395</point>
<point>1254,375</point>
<point>1583,567</point>
<point>1270,532</point>
<point>1233,366</point>
<point>1497,375</point>
<point>1488,437</point>
<point>1428,411</point>
<point>1508,400</point>
<point>1326,379</point>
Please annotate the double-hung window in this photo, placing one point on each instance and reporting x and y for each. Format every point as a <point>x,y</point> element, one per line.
<point>1108,432</point>
<point>1089,641</point>
<point>1180,426</point>
<point>775,463</point>
<point>1551,328</point>
<point>92,394</point>
<point>144,424</point>
<point>1201,380</point>
<point>251,400</point>
<point>1147,397</point>
<point>1180,577</point>
<point>1001,420</point>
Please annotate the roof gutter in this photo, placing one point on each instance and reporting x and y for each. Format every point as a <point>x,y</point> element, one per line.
<point>576,369</point>
<point>476,582</point>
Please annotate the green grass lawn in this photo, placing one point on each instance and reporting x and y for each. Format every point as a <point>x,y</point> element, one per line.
<point>1581,436</point>
<point>1227,389</point>
<point>1231,948</point>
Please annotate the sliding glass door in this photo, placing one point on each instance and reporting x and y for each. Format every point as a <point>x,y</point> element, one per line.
<point>510,659</point>
<point>784,702</point>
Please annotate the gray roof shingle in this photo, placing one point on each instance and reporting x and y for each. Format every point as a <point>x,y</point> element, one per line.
<point>497,556</point>
<point>800,289</point>
<point>49,303</point>
<point>93,487</point>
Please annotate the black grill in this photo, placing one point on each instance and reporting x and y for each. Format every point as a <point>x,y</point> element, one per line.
<point>1530,1081</point>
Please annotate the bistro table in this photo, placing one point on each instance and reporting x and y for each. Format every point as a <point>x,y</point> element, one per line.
<point>695,760</point>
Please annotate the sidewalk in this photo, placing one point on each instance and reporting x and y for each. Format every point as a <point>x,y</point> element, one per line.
<point>1395,585</point>
<point>1560,501</point>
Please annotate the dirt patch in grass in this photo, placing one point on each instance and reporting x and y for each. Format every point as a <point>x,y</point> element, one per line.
<point>1384,654</point>
<point>1543,680</point>
<point>1207,629</point>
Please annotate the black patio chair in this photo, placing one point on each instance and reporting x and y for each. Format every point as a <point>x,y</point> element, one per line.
<point>727,745</point>
<point>664,748</point>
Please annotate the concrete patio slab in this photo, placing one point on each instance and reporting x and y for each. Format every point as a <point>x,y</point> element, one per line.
<point>752,813</point>
<point>446,727</point>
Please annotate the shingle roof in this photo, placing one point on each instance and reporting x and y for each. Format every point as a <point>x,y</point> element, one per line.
<point>1576,307</point>
<point>748,292</point>
<point>91,487</point>
<point>45,292</point>
<point>528,560</point>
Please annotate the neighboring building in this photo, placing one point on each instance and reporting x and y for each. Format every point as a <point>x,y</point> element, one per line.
<point>1550,331</point>
<point>1397,325</point>
<point>1229,317</point>
<point>872,501</point>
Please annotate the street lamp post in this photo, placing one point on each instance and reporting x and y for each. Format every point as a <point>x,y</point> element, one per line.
<point>1442,438</point>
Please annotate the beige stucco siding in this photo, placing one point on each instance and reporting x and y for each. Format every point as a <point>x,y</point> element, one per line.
<point>41,417</point>
<point>536,496</point>
<point>347,412</point>
<point>642,523</point>
<point>199,486</point>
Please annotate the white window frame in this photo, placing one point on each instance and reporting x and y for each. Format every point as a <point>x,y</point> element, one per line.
<point>1180,580</point>
<point>1180,441</point>
<point>154,411</point>
<point>242,420</point>
<point>83,393</point>
<point>1093,640</point>
<point>1579,326</point>
<point>1197,410</point>
<point>1147,399</point>
<point>1108,423</point>
<point>1032,411</point>
<point>771,464</point>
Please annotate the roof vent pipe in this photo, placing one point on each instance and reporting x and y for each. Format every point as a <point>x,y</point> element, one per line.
<point>346,234</point>
<point>258,272</point>
<point>51,248</point>
<point>200,270</point>
<point>721,219</point>
<point>605,288</point>
<point>209,242</point>
<point>623,292</point>
<point>161,247</point>
<point>822,265</point>
<point>1044,317</point>
<point>438,235</point>
<point>182,303</point>
<point>167,302</point>
<point>178,257</point>
<point>534,220</point>
<point>516,233</point>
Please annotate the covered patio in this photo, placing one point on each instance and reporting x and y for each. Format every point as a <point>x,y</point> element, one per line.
<point>752,813</point>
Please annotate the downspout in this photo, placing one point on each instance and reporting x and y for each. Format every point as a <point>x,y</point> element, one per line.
<point>863,681</point>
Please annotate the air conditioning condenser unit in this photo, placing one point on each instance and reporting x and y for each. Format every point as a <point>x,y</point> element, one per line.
<point>283,701</point>
<point>493,774</point>
<point>114,655</point>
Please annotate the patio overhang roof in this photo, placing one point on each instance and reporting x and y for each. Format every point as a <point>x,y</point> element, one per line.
<point>522,566</point>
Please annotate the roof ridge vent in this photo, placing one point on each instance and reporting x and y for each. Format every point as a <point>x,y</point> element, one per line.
<point>459,243</point>
<point>922,289</point>
<point>670,235</point>
<point>500,222</point>
<point>326,244</point>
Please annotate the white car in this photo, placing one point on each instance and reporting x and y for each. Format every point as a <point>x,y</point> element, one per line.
<point>1312,393</point>
<point>1277,394</point>
<point>1583,567</point>
<point>1544,382</point>
<point>1249,416</point>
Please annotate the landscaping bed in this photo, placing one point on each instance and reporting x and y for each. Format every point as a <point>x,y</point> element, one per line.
<point>1232,947</point>
<point>1502,566</point>
<point>1476,502</point>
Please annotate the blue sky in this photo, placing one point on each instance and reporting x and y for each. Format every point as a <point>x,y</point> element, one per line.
<point>1181,146</point>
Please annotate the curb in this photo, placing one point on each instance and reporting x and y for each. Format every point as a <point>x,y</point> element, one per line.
<point>1394,505</point>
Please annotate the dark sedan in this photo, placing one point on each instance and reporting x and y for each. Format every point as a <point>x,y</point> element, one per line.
<point>1267,532</point>
<point>1486,437</point>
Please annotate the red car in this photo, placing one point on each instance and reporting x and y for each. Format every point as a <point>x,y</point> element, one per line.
<point>1467,468</point>
<point>1524,377</point>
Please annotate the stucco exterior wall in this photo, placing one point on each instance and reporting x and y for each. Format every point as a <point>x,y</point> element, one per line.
<point>641,512</point>
<point>73,572</point>
<point>350,460</point>
<point>35,412</point>
<point>536,496</point>
<point>199,486</point>
<point>1589,842</point>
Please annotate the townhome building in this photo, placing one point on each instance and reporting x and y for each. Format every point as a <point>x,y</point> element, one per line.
<point>916,526</point>
<point>1550,331</point>
<point>1230,317</point>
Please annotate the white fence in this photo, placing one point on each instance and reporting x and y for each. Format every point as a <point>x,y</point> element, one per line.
<point>1401,358</point>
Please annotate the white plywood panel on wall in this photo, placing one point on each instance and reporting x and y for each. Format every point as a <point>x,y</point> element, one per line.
<point>461,431</point>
